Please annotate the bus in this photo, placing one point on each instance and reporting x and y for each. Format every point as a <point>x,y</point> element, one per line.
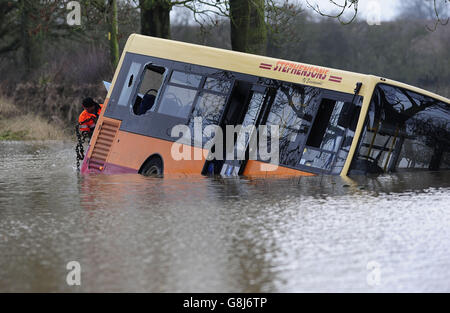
<point>323,120</point>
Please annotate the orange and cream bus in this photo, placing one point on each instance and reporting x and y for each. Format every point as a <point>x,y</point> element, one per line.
<point>328,121</point>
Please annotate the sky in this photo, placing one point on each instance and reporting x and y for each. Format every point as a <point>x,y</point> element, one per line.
<point>369,10</point>
<point>387,8</point>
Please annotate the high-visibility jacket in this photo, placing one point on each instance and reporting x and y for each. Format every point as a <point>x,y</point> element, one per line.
<point>88,120</point>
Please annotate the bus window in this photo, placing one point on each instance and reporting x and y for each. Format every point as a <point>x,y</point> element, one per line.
<point>209,107</point>
<point>151,82</point>
<point>348,119</point>
<point>210,104</point>
<point>218,85</point>
<point>326,136</point>
<point>293,110</point>
<point>431,128</point>
<point>234,166</point>
<point>326,108</point>
<point>177,101</point>
<point>128,85</point>
<point>316,127</point>
<point>179,94</point>
<point>403,130</point>
<point>185,79</point>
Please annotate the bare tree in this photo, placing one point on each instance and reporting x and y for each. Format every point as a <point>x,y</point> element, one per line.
<point>283,21</point>
<point>342,7</point>
<point>436,10</point>
<point>26,24</point>
<point>433,9</point>
<point>113,37</point>
<point>247,19</point>
<point>8,26</point>
<point>155,14</point>
<point>248,26</point>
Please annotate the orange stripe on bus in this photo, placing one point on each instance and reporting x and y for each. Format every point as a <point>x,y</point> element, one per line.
<point>131,150</point>
<point>258,168</point>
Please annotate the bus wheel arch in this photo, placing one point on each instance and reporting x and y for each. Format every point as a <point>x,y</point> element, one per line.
<point>153,166</point>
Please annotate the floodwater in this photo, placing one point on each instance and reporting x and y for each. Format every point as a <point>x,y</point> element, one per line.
<point>131,233</point>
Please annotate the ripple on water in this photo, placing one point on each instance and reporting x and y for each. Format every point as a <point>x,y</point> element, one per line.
<point>132,233</point>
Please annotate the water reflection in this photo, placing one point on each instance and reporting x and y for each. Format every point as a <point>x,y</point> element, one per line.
<point>131,233</point>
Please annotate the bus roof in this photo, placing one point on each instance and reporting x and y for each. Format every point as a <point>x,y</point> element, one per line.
<point>261,66</point>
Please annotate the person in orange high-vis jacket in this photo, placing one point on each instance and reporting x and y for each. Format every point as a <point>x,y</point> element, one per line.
<point>88,118</point>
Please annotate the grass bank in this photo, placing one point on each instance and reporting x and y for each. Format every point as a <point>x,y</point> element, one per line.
<point>16,124</point>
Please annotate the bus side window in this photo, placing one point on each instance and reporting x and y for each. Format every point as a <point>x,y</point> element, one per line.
<point>292,110</point>
<point>404,130</point>
<point>210,104</point>
<point>179,95</point>
<point>330,136</point>
<point>321,122</point>
<point>151,82</point>
<point>128,85</point>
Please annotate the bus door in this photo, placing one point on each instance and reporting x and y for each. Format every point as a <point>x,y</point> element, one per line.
<point>245,132</point>
<point>331,132</point>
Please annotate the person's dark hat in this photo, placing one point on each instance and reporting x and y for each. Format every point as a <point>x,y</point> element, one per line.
<point>88,102</point>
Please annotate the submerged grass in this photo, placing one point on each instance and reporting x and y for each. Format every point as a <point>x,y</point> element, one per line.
<point>17,125</point>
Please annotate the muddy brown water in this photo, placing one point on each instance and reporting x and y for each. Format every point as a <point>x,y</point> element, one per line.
<point>131,233</point>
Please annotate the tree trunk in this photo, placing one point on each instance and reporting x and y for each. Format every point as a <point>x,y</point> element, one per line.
<point>31,37</point>
<point>113,40</point>
<point>248,26</point>
<point>155,18</point>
